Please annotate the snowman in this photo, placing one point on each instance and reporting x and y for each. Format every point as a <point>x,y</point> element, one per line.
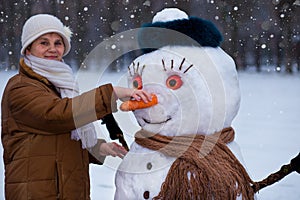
<point>185,148</point>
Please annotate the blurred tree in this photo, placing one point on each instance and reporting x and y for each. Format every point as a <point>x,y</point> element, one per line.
<point>256,33</point>
<point>78,21</point>
<point>236,21</point>
<point>285,13</point>
<point>9,41</point>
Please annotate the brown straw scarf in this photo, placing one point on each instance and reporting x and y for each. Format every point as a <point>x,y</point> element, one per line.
<point>205,167</point>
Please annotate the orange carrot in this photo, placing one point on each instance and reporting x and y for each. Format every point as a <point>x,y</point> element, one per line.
<point>134,104</point>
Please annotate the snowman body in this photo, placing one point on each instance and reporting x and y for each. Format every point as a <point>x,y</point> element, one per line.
<point>198,93</point>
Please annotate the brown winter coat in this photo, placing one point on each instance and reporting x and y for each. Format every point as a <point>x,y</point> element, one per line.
<point>41,161</point>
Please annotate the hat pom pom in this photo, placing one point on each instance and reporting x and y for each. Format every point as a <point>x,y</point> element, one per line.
<point>68,32</point>
<point>169,14</point>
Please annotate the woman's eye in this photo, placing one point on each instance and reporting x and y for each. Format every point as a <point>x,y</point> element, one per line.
<point>58,43</point>
<point>44,43</point>
<point>174,82</point>
<point>137,82</point>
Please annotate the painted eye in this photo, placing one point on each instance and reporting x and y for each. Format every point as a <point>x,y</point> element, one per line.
<point>137,82</point>
<point>174,82</point>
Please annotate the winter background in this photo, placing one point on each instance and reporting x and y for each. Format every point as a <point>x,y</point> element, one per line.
<point>260,33</point>
<point>267,130</point>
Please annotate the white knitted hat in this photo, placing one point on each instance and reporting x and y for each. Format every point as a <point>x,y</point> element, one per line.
<point>41,24</point>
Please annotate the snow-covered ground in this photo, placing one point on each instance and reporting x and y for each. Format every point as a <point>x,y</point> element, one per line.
<point>267,129</point>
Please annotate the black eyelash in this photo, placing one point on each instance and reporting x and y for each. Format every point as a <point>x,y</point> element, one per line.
<point>136,69</point>
<point>172,65</point>
<point>188,68</point>
<point>180,67</point>
<point>163,63</point>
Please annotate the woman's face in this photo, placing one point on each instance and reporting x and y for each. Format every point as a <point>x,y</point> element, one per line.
<point>48,46</point>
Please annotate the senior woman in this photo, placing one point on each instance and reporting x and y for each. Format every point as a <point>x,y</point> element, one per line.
<point>47,130</point>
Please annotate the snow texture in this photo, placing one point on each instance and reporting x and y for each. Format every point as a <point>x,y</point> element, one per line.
<point>267,130</point>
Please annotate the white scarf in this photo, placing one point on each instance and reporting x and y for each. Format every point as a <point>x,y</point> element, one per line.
<point>61,76</point>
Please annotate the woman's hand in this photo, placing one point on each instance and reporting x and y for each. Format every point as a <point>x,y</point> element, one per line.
<point>112,149</point>
<point>138,95</point>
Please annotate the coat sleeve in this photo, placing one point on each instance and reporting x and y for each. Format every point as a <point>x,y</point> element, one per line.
<point>94,154</point>
<point>38,109</point>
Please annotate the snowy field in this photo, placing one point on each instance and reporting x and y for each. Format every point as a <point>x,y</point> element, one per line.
<point>267,129</point>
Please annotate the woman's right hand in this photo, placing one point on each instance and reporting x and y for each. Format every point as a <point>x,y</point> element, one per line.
<point>112,149</point>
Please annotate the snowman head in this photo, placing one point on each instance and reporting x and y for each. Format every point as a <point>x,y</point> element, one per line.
<point>194,79</point>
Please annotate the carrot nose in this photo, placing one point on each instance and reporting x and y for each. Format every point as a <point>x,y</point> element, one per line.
<point>131,105</point>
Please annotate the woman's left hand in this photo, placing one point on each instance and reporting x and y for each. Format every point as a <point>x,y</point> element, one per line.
<point>139,95</point>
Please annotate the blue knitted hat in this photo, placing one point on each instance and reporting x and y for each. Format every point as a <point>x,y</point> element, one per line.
<point>171,27</point>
